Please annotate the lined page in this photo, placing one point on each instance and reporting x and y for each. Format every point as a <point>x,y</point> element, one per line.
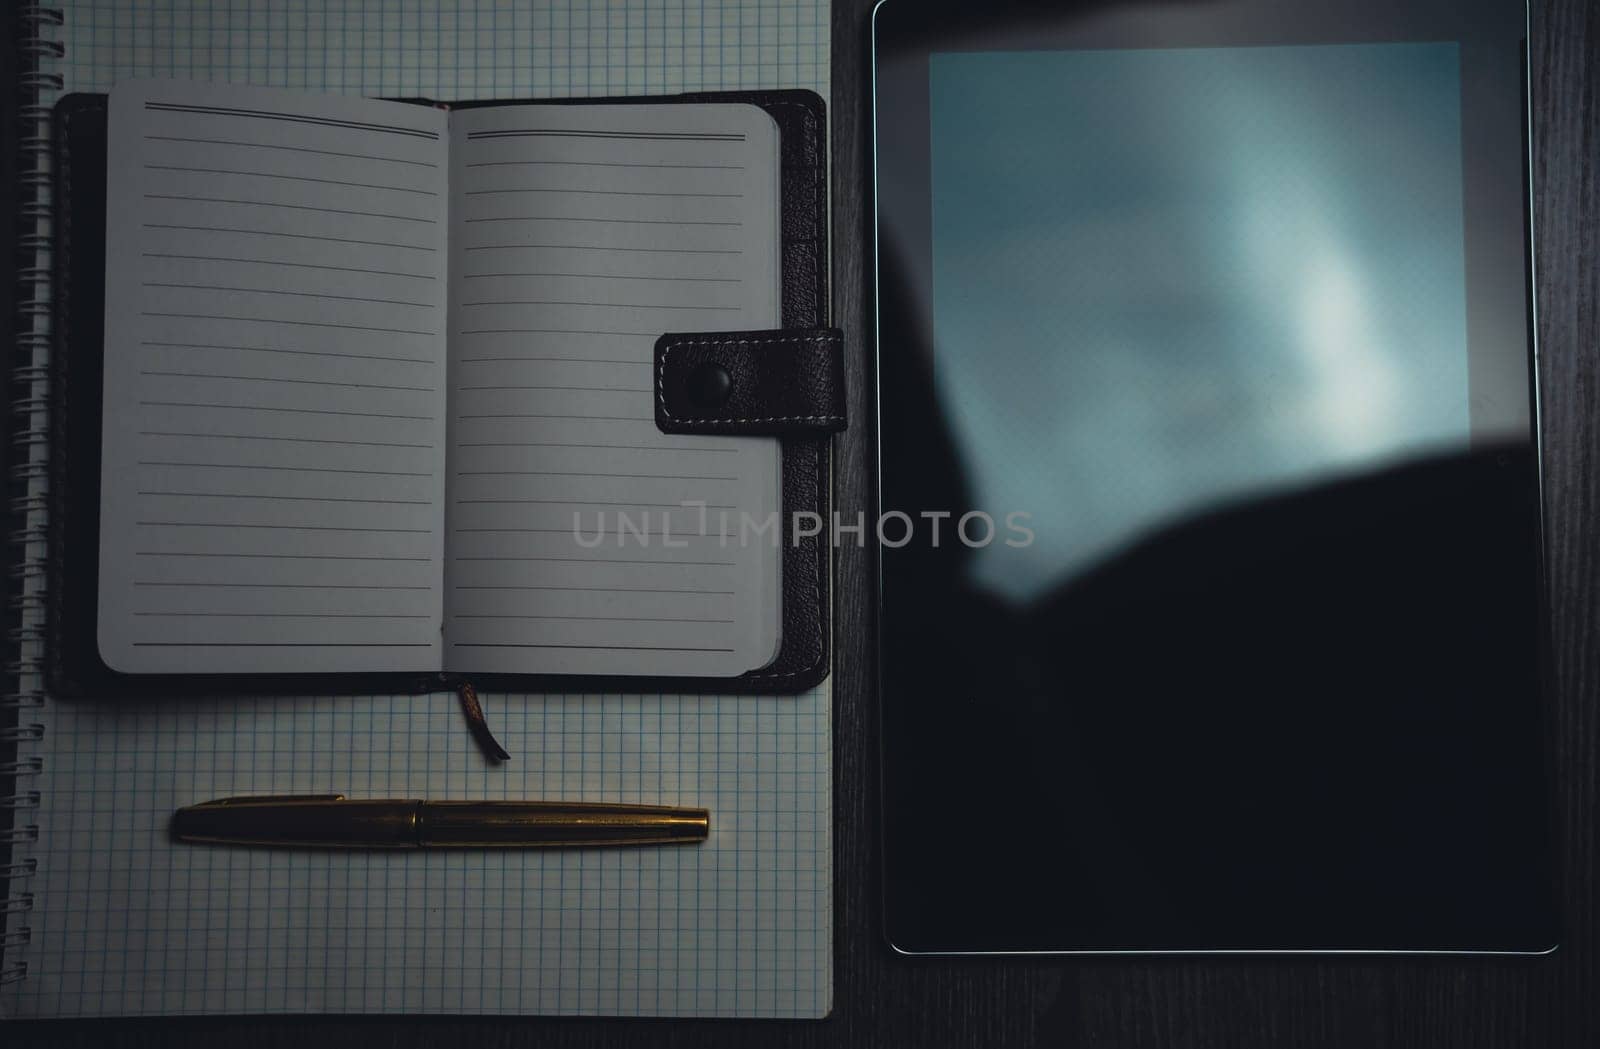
<point>273,431</point>
<point>579,235</point>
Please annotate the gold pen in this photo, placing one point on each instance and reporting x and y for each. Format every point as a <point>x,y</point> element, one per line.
<point>329,821</point>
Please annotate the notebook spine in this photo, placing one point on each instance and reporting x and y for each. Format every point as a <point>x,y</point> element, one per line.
<point>21,728</point>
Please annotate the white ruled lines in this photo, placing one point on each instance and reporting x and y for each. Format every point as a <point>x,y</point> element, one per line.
<point>274,422</point>
<point>581,234</point>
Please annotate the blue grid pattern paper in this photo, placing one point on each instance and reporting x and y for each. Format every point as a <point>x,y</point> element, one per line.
<point>125,923</point>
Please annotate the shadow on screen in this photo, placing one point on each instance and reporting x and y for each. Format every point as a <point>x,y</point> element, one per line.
<point>1310,716</point>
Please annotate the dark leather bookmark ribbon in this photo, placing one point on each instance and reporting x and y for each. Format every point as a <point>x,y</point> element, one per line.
<point>480,727</point>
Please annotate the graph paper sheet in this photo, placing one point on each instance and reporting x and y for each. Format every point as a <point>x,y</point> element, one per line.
<point>124,922</point>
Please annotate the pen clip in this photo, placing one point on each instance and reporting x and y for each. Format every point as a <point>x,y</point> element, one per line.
<point>265,799</point>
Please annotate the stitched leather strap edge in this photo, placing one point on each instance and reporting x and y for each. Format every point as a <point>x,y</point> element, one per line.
<point>828,416</point>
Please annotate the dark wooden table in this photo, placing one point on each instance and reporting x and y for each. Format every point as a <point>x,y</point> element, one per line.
<point>881,999</point>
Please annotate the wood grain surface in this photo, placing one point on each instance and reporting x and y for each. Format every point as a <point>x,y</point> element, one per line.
<point>884,1000</point>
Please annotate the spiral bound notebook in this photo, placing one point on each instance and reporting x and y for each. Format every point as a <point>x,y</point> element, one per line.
<point>103,915</point>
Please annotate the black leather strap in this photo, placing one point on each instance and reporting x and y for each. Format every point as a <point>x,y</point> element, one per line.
<point>787,382</point>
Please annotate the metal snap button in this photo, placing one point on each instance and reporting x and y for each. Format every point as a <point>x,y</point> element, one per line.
<point>709,385</point>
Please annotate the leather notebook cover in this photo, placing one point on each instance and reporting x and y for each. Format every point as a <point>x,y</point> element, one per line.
<point>798,401</point>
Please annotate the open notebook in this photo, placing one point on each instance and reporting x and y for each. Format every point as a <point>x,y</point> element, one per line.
<point>378,386</point>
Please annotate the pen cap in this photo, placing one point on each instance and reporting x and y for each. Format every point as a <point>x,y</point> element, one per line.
<point>318,822</point>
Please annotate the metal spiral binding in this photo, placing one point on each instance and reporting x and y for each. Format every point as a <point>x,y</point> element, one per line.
<point>26,496</point>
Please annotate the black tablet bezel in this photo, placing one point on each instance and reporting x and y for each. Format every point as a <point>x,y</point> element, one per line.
<point>1502,350</point>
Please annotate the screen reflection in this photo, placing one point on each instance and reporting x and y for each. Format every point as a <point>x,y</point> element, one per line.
<point>1168,281</point>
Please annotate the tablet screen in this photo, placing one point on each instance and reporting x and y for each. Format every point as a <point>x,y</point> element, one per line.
<point>1210,599</point>
<point>1208,273</point>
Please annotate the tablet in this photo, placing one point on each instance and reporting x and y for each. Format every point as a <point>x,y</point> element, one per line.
<point>1211,609</point>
